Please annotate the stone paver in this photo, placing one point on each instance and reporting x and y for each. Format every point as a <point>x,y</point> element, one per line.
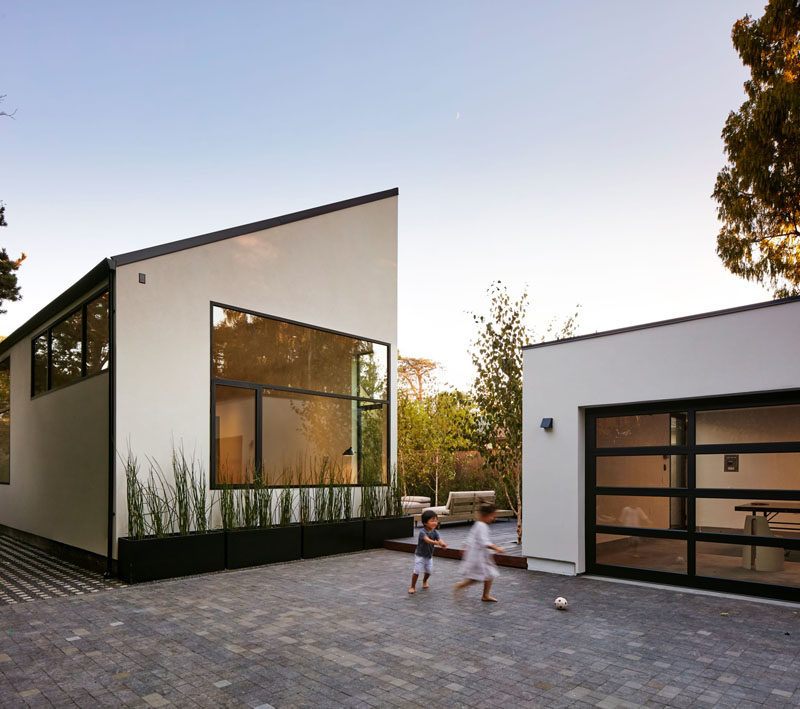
<point>342,631</point>
<point>29,574</point>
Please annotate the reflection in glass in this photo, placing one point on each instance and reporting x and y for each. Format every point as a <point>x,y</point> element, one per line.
<point>641,430</point>
<point>641,471</point>
<point>97,335</point>
<point>771,518</point>
<point>762,471</point>
<point>641,552</point>
<point>5,420</point>
<point>762,424</point>
<point>372,447</point>
<point>745,562</point>
<point>40,364</point>
<point>307,438</point>
<point>235,430</point>
<point>258,349</point>
<point>645,512</point>
<point>66,350</point>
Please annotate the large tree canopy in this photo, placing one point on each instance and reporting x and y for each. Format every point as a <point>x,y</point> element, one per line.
<point>9,289</point>
<point>758,191</point>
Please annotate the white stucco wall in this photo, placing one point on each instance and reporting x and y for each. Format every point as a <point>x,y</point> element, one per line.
<point>337,271</point>
<point>741,352</point>
<point>59,458</point>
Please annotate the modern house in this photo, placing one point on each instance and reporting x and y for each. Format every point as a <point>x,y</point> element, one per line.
<point>266,346</point>
<point>669,452</point>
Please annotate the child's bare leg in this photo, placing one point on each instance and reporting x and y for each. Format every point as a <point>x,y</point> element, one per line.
<point>414,578</point>
<point>487,586</point>
<point>425,580</point>
<point>461,585</point>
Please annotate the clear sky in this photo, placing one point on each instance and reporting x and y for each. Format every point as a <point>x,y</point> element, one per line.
<point>569,148</point>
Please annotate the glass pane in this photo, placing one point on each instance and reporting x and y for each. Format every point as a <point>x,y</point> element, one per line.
<point>641,471</point>
<point>641,430</point>
<point>5,420</point>
<point>647,512</point>
<point>763,471</point>
<point>763,424</point>
<point>235,434</point>
<point>745,562</point>
<point>65,350</point>
<point>372,433</point>
<point>768,518</point>
<point>40,364</point>
<point>306,438</point>
<point>641,552</point>
<point>256,349</point>
<point>97,335</point>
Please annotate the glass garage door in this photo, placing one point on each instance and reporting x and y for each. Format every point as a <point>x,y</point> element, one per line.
<point>701,493</point>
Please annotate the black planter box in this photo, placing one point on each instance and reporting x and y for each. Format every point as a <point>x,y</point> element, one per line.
<point>166,557</point>
<point>332,538</point>
<point>253,547</point>
<point>376,531</point>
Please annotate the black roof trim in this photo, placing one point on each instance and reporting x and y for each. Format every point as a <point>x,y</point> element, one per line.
<point>673,321</point>
<point>191,242</point>
<point>98,275</point>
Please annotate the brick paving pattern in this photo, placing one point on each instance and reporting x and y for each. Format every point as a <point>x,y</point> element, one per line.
<point>27,573</point>
<point>342,631</point>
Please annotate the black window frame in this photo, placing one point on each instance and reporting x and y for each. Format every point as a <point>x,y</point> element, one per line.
<point>691,493</point>
<point>3,360</point>
<point>259,388</point>
<point>48,334</point>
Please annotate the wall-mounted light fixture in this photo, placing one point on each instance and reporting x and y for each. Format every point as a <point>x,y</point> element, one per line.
<point>142,278</point>
<point>547,424</point>
<point>349,451</point>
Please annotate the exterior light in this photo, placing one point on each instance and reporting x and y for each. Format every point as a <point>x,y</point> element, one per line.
<point>349,451</point>
<point>547,424</point>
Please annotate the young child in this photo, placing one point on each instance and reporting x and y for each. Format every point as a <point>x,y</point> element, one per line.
<point>423,556</point>
<point>478,562</point>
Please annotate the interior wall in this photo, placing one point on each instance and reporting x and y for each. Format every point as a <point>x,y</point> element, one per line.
<point>337,271</point>
<point>59,459</point>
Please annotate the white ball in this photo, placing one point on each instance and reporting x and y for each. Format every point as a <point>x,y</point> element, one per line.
<point>560,603</point>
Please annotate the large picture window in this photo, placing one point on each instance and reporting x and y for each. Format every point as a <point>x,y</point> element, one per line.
<point>72,348</point>
<point>706,494</point>
<point>5,420</point>
<point>296,404</point>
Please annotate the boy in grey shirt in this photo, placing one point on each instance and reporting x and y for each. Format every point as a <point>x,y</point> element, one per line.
<point>423,555</point>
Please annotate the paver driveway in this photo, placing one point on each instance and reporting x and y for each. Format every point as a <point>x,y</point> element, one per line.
<point>342,631</point>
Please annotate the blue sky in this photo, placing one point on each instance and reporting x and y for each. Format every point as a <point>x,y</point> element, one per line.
<point>569,148</point>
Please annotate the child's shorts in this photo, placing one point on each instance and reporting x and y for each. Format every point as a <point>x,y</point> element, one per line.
<point>423,563</point>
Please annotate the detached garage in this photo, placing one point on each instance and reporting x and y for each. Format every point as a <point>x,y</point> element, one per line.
<point>673,454</point>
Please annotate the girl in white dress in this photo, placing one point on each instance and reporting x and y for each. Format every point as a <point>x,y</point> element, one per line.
<point>478,562</point>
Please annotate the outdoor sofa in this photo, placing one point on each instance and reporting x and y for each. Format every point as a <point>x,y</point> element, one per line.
<point>462,506</point>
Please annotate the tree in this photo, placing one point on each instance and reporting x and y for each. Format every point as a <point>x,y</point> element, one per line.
<point>497,391</point>
<point>415,373</point>
<point>758,191</point>
<point>431,427</point>
<point>9,289</point>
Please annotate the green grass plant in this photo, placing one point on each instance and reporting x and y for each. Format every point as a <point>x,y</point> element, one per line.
<point>135,495</point>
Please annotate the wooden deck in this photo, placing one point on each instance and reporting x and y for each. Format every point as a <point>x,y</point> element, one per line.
<point>503,534</point>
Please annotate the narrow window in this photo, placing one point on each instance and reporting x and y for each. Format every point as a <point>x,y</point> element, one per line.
<point>40,364</point>
<point>66,350</point>
<point>5,420</point>
<point>97,334</point>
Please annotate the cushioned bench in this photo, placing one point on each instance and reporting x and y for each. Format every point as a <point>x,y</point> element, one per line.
<point>413,504</point>
<point>462,506</point>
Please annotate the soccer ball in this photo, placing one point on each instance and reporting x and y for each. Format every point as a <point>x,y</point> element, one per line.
<point>560,603</point>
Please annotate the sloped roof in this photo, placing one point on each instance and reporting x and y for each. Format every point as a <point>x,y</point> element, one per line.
<point>100,273</point>
<point>662,323</point>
